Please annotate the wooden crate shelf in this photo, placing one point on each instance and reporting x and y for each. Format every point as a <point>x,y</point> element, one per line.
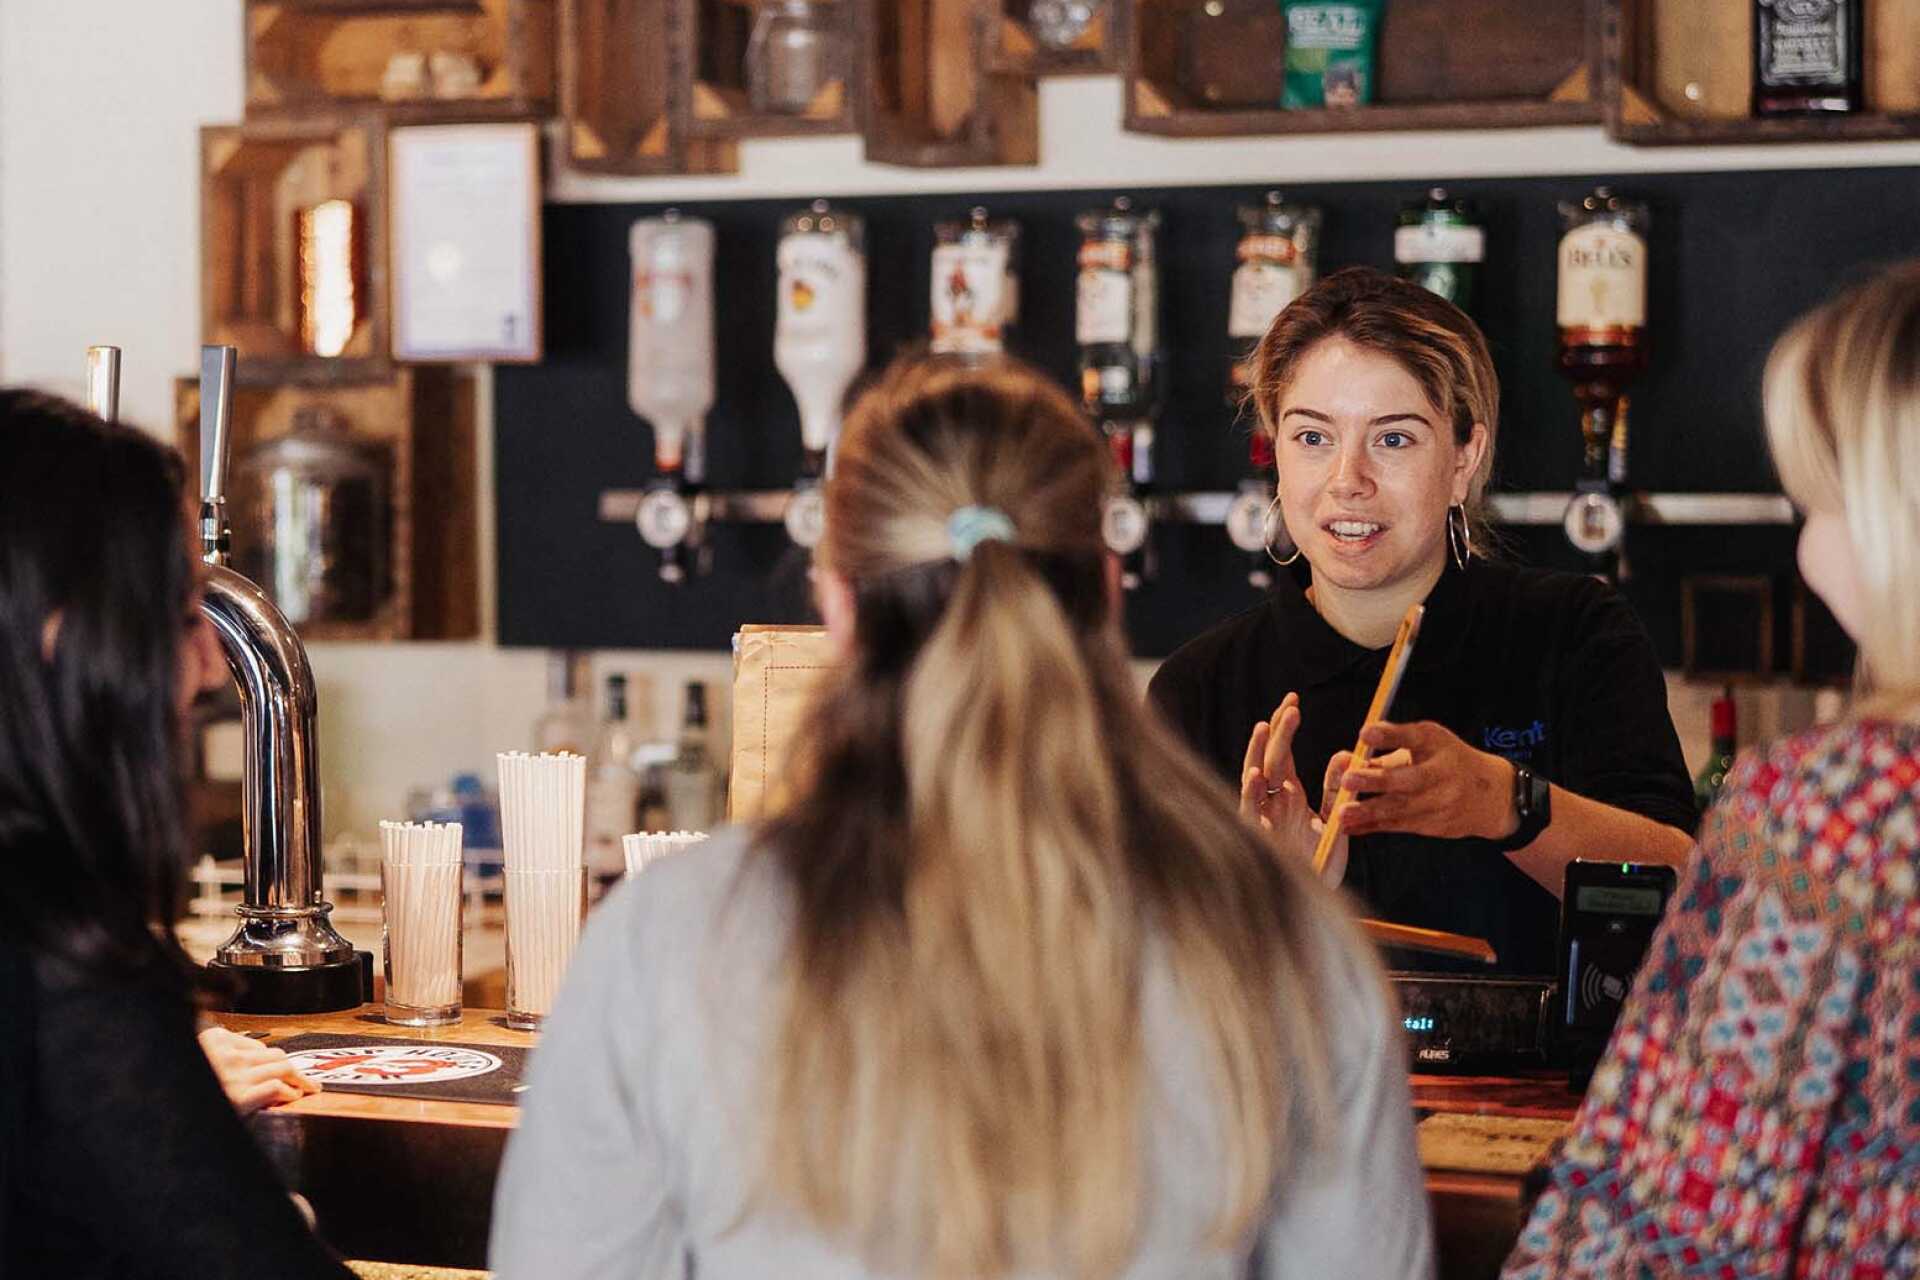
<point>255,178</point>
<point>718,105</point>
<point>1011,45</point>
<point>308,56</point>
<point>624,70</point>
<point>929,100</point>
<point>425,419</point>
<point>1681,72</point>
<point>1526,63</point>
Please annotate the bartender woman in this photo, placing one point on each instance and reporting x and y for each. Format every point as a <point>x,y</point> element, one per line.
<point>1531,729</point>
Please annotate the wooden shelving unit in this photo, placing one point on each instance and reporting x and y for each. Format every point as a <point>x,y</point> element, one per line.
<point>425,419</point>
<point>928,97</point>
<point>1681,72</point>
<point>717,32</point>
<point>624,70</point>
<point>1012,46</point>
<point>254,179</point>
<point>1529,62</point>
<point>308,56</point>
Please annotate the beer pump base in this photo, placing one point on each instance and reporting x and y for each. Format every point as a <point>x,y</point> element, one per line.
<point>326,988</point>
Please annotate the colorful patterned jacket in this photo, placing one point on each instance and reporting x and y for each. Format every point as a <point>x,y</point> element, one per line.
<point>1757,1113</point>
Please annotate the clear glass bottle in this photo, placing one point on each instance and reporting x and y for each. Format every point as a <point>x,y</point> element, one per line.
<point>1279,248</point>
<point>567,723</point>
<point>1439,244</point>
<point>1117,312</point>
<point>613,785</point>
<point>798,49</point>
<point>975,285</point>
<point>692,796</point>
<point>670,342</point>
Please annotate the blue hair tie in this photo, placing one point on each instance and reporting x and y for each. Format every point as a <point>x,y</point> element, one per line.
<point>968,527</point>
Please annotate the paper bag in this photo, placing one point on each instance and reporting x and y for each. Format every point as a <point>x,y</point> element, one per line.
<point>775,672</point>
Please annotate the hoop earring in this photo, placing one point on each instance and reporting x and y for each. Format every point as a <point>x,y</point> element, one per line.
<point>1271,527</point>
<point>1460,541</point>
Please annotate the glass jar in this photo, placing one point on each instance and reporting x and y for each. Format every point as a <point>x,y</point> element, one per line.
<point>313,520</point>
<point>1059,24</point>
<point>798,48</point>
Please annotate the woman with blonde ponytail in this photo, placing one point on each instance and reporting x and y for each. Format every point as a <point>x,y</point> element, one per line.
<point>1010,988</point>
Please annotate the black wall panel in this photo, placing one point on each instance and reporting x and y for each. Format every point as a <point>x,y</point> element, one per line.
<point>1734,256</point>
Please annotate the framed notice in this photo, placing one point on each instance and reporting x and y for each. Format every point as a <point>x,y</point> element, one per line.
<point>464,228</point>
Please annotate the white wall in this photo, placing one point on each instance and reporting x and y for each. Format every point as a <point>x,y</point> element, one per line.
<point>100,101</point>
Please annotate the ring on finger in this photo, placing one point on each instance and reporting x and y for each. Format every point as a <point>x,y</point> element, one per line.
<point>1274,791</point>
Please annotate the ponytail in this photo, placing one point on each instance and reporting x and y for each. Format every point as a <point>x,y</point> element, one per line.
<point>1020,915</point>
<point>989,834</point>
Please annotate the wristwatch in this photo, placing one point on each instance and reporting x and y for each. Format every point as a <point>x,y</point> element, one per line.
<point>1533,803</point>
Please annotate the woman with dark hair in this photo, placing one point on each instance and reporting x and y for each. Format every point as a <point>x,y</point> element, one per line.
<point>1010,988</point>
<point>1532,726</point>
<point>119,1156</point>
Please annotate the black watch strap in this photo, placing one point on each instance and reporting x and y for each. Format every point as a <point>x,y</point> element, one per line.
<point>1533,802</point>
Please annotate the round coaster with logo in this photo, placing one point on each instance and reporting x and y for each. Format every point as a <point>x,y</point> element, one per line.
<point>410,1068</point>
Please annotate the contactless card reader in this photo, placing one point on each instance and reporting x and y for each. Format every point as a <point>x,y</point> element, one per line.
<point>1608,914</point>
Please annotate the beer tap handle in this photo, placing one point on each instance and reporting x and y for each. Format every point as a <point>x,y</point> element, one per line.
<point>216,419</point>
<point>103,383</point>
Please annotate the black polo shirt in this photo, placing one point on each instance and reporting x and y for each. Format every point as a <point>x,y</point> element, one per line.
<point>1552,670</point>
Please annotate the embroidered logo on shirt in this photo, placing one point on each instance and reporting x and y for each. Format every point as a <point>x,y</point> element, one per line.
<point>1515,744</point>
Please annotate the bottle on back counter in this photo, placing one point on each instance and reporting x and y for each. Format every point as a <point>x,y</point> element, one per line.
<point>692,790</point>
<point>1439,244</point>
<point>1807,57</point>
<point>1726,740</point>
<point>567,723</point>
<point>613,785</point>
<point>1117,312</point>
<point>1274,264</point>
<point>1602,316</point>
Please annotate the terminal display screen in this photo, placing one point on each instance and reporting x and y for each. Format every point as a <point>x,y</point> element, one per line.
<point>1617,900</point>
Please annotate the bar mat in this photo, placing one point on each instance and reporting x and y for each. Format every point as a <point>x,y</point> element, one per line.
<point>1486,1144</point>
<point>396,1068</point>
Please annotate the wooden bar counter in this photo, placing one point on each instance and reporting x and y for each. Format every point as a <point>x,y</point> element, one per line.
<point>405,1180</point>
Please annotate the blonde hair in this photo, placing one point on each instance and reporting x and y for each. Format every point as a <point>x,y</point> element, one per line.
<point>1433,340</point>
<point>1842,396</point>
<point>989,832</point>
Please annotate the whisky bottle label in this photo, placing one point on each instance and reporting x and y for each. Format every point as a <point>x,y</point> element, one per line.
<point>1603,278</point>
<point>1261,290</point>
<point>1803,42</point>
<point>973,298</point>
<point>1104,301</point>
<point>1437,242</point>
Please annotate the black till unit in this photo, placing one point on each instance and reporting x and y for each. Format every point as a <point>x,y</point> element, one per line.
<point>1456,1022</point>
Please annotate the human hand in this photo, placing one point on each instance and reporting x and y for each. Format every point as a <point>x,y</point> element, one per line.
<point>1439,787</point>
<point>253,1075</point>
<point>1272,798</point>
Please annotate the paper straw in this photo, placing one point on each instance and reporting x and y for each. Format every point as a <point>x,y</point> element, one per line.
<point>543,928</point>
<point>646,847</point>
<point>421,875</point>
<point>542,810</point>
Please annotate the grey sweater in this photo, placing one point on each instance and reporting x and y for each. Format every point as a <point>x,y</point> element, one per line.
<point>632,1159</point>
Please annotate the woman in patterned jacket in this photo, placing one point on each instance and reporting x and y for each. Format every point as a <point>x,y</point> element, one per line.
<point>1758,1111</point>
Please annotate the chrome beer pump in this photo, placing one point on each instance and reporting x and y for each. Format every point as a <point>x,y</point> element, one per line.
<point>285,956</point>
